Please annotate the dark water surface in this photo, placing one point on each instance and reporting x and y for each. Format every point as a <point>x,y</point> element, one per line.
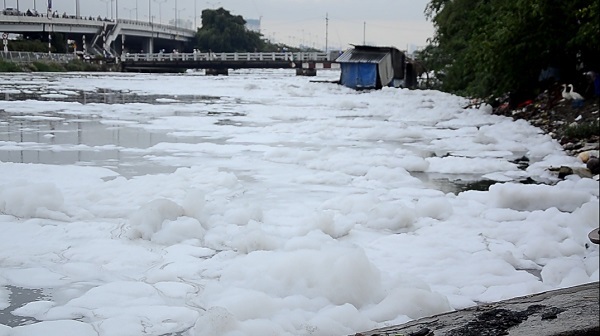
<point>63,139</point>
<point>19,297</point>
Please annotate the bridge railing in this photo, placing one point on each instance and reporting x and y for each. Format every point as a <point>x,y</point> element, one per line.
<point>213,56</point>
<point>156,26</point>
<point>30,57</point>
<point>72,20</point>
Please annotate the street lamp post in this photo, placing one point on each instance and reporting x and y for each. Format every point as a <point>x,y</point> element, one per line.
<point>130,10</point>
<point>107,2</point>
<point>160,2</point>
<point>178,17</point>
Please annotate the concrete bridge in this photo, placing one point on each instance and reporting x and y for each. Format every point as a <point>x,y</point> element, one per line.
<point>100,36</point>
<point>305,63</point>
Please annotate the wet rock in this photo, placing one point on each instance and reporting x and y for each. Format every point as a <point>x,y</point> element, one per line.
<point>551,313</point>
<point>494,322</point>
<point>593,164</point>
<point>564,172</point>
<point>522,162</point>
<point>564,312</point>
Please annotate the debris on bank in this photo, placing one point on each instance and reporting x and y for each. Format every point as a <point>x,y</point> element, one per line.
<point>576,126</point>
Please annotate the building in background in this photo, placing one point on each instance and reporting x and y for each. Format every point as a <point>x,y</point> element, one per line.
<point>182,23</point>
<point>253,25</point>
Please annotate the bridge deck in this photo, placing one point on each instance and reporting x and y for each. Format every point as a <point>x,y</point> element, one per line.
<point>82,25</point>
<point>139,62</point>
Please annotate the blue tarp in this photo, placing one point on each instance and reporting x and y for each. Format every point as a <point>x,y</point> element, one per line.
<point>359,75</point>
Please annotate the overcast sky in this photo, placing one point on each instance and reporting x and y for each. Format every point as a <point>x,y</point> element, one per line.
<point>399,23</point>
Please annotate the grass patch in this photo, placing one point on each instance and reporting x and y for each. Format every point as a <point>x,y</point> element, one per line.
<point>584,130</point>
<point>47,67</point>
<point>9,67</point>
<point>75,65</point>
<point>78,65</point>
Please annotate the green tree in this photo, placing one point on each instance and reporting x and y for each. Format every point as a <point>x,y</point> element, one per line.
<point>488,47</point>
<point>38,42</point>
<point>223,32</point>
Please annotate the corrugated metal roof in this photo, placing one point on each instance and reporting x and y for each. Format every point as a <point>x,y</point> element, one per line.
<point>362,56</point>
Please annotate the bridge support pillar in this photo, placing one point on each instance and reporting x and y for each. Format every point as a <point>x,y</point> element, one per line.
<point>149,46</point>
<point>306,72</point>
<point>216,72</point>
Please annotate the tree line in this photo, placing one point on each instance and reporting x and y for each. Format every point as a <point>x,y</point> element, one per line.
<point>223,32</point>
<point>491,47</point>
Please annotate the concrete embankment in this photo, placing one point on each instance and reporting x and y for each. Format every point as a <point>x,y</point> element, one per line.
<point>565,312</point>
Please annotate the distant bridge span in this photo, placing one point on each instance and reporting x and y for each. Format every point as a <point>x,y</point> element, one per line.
<point>306,63</point>
<point>98,36</point>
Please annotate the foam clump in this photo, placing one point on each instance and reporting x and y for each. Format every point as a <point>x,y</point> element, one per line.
<point>536,197</point>
<point>30,200</point>
<point>164,222</point>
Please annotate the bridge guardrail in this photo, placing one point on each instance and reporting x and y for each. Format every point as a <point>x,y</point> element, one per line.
<point>29,57</point>
<point>156,26</point>
<point>72,20</point>
<point>214,56</point>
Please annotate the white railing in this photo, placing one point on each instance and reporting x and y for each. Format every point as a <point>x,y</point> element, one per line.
<point>29,57</point>
<point>213,56</point>
<point>9,21</point>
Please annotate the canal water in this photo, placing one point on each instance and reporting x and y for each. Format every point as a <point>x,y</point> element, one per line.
<point>60,138</point>
<point>124,142</point>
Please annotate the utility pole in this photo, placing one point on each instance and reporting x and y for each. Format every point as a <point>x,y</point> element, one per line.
<point>50,40</point>
<point>364,33</point>
<point>160,10</point>
<point>326,32</point>
<point>77,12</point>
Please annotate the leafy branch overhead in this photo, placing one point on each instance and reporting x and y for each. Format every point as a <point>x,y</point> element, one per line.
<point>485,47</point>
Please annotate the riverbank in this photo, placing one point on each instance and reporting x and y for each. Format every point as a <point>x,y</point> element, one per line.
<point>575,127</point>
<point>565,312</point>
<point>44,66</point>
